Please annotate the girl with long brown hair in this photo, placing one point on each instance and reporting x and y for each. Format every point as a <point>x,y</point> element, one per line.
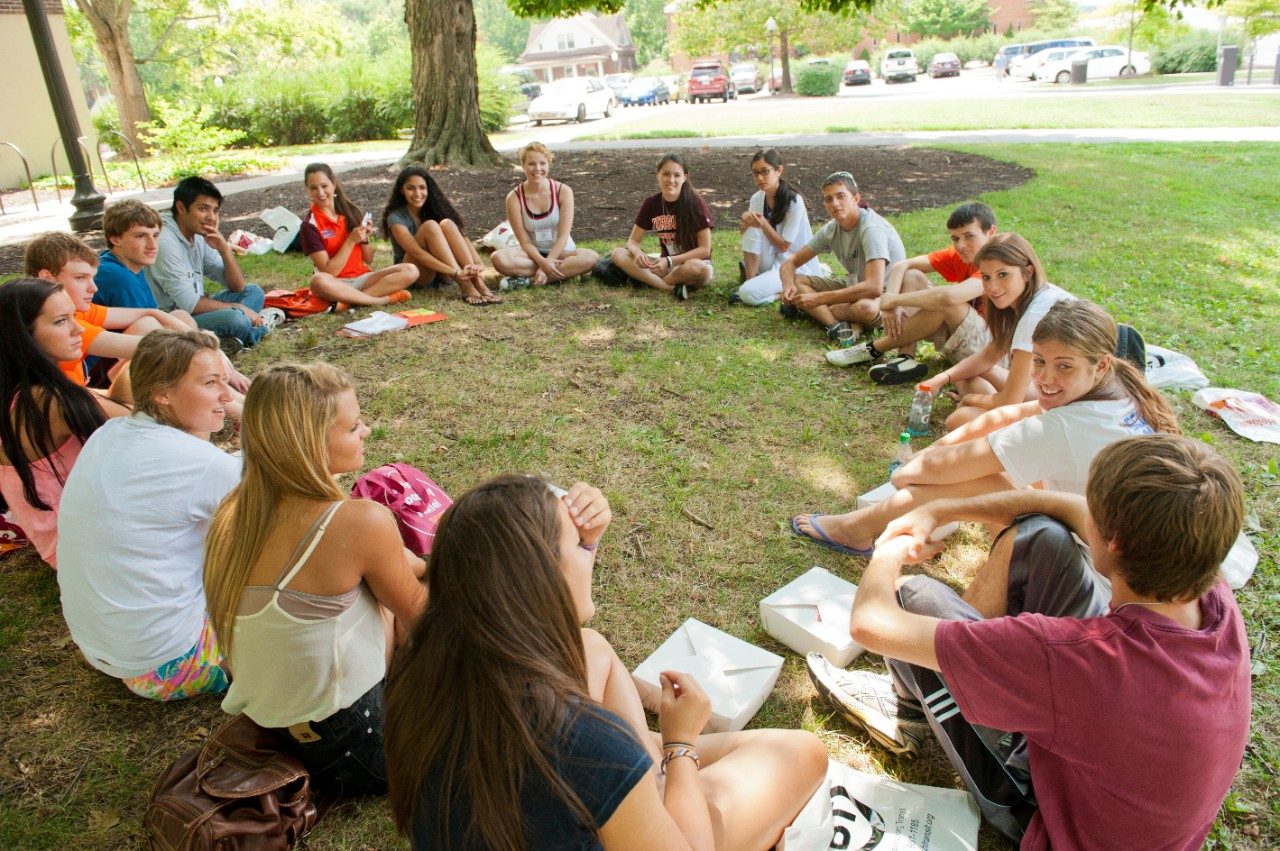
<point>304,585</point>
<point>510,727</point>
<point>1016,294</point>
<point>1087,399</point>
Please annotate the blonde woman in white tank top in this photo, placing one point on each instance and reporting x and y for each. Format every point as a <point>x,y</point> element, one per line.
<point>540,211</point>
<point>306,588</point>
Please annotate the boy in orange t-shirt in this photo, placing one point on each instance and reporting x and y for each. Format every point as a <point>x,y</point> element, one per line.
<point>912,309</point>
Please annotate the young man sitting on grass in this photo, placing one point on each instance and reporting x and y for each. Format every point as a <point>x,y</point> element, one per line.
<point>1120,669</point>
<point>912,309</point>
<point>109,332</point>
<point>864,243</point>
<point>132,231</point>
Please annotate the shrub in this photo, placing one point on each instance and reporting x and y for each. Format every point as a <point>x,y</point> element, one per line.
<point>497,90</point>
<point>184,130</point>
<point>106,123</point>
<point>1195,51</point>
<point>356,114</point>
<point>818,81</point>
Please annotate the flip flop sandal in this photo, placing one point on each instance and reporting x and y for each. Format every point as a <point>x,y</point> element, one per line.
<point>899,371</point>
<point>824,540</point>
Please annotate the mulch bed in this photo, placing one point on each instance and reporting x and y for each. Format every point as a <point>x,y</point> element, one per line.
<point>609,185</point>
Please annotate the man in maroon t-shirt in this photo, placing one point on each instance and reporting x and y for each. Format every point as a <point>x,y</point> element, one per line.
<point>912,309</point>
<point>1127,706</point>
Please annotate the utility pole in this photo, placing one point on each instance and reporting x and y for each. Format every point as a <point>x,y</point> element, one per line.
<point>87,199</point>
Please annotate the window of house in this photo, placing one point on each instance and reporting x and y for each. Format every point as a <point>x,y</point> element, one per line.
<point>564,41</point>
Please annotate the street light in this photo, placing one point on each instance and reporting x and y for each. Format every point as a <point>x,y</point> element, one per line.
<point>771,27</point>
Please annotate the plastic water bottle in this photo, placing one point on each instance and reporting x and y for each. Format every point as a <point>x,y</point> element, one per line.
<point>921,410</point>
<point>901,453</point>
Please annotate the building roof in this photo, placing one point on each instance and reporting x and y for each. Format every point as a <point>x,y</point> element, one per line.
<point>612,29</point>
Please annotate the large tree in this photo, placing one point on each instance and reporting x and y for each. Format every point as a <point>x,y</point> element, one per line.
<point>110,22</point>
<point>946,18</point>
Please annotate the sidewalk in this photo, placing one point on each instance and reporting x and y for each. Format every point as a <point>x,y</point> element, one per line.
<point>23,222</point>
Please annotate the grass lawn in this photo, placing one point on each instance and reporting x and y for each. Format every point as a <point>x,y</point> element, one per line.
<point>725,412</point>
<point>1042,110</point>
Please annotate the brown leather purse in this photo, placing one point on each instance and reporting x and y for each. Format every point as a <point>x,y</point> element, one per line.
<point>240,790</point>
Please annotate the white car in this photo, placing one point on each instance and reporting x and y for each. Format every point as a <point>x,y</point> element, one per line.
<point>1025,67</point>
<point>1108,60</point>
<point>572,99</point>
<point>899,64</point>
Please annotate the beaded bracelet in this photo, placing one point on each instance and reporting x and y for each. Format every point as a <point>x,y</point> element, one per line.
<point>676,753</point>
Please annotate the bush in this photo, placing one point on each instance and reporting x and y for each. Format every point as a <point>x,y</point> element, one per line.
<point>818,81</point>
<point>1195,51</point>
<point>497,90</point>
<point>106,124</point>
<point>184,130</point>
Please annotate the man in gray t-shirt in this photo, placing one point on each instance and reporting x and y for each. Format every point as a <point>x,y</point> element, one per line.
<point>864,243</point>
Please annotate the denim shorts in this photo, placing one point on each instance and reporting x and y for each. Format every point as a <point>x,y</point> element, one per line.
<point>347,759</point>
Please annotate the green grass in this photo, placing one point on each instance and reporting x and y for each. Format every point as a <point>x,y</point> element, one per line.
<point>730,413</point>
<point>1043,111</point>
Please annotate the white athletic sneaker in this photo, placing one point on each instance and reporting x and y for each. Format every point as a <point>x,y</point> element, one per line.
<point>868,701</point>
<point>853,355</point>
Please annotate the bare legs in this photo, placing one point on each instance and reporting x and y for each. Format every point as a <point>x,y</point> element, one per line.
<point>377,288</point>
<point>859,529</point>
<point>694,274</point>
<point>515,262</point>
<point>755,781</point>
<point>861,314</point>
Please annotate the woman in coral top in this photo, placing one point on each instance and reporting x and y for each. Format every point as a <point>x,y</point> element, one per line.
<point>335,235</point>
<point>49,416</point>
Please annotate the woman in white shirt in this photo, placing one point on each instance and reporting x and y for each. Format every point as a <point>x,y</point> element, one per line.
<point>133,518</point>
<point>775,225</point>
<point>1016,296</point>
<point>1087,398</point>
<point>305,585</point>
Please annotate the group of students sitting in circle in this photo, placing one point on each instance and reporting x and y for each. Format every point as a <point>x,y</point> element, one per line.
<point>1091,686</point>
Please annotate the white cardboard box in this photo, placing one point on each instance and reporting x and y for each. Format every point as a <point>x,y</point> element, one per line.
<point>737,676</point>
<point>887,490</point>
<point>810,614</point>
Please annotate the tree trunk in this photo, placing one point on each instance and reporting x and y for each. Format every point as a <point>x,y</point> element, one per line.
<point>784,47</point>
<point>446,107</point>
<point>110,22</point>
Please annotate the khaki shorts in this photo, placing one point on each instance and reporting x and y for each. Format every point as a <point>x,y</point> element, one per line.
<point>825,284</point>
<point>971,337</point>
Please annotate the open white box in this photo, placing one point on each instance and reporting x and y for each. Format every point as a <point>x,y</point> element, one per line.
<point>737,676</point>
<point>810,614</point>
<point>887,490</point>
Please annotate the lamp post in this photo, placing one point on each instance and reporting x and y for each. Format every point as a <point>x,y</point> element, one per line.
<point>87,199</point>
<point>771,27</point>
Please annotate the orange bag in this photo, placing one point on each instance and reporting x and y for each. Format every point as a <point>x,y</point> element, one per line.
<point>297,303</point>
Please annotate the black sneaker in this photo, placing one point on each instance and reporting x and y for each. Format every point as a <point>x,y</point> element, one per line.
<point>681,292</point>
<point>868,701</point>
<point>789,311</point>
<point>735,299</point>
<point>898,371</point>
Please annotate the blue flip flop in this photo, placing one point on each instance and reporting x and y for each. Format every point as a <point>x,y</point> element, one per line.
<point>824,540</point>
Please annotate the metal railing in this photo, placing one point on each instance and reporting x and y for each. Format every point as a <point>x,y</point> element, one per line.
<point>133,152</point>
<point>88,159</point>
<point>26,167</point>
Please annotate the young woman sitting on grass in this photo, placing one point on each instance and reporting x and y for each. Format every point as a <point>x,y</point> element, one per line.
<point>775,224</point>
<point>546,251</point>
<point>682,222</point>
<point>303,584</point>
<point>49,417</point>
<point>1016,295</point>
<point>335,235</point>
<point>510,726</point>
<point>133,520</point>
<point>1087,398</point>
<point>426,231</point>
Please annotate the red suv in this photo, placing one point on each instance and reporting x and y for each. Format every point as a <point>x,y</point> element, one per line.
<point>708,80</point>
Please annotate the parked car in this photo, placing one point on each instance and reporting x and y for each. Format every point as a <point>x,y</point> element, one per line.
<point>1019,62</point>
<point>857,72</point>
<point>572,99</point>
<point>1031,68</point>
<point>645,91</point>
<point>678,85</point>
<point>746,77</point>
<point>899,64</point>
<point>775,80</point>
<point>708,79</point>
<point>944,65</point>
<point>1109,60</point>
<point>527,82</point>
<point>619,83</point>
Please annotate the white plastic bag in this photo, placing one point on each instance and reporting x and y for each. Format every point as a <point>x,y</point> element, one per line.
<point>853,809</point>
<point>243,242</point>
<point>284,224</point>
<point>1248,414</point>
<point>1167,369</point>
<point>1240,562</point>
<point>500,237</point>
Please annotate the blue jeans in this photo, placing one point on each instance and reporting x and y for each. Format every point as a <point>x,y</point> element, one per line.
<point>232,322</point>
